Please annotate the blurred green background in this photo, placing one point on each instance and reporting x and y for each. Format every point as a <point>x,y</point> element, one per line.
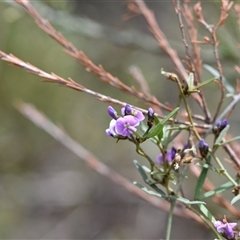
<point>45,190</point>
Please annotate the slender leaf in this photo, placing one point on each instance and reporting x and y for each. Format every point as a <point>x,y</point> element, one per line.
<point>171,114</point>
<point>201,180</point>
<point>150,192</point>
<point>141,171</point>
<point>186,201</point>
<point>156,130</point>
<point>216,74</point>
<point>208,166</point>
<point>158,190</point>
<point>217,190</point>
<point>205,211</point>
<point>221,135</point>
<point>230,140</point>
<point>235,199</point>
<point>204,83</point>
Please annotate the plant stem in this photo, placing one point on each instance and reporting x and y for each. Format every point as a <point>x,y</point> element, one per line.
<point>170,217</point>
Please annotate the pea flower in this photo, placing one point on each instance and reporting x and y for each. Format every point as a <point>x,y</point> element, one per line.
<point>225,228</point>
<point>111,130</point>
<point>169,156</point>
<point>125,125</point>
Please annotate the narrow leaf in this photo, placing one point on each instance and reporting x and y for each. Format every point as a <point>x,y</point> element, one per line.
<point>217,190</point>
<point>201,180</point>
<point>216,74</point>
<point>204,83</point>
<point>210,167</point>
<point>141,171</point>
<point>171,114</point>
<point>186,201</point>
<point>156,130</point>
<point>150,192</point>
<point>205,211</point>
<point>235,199</point>
<point>230,140</point>
<point>221,135</point>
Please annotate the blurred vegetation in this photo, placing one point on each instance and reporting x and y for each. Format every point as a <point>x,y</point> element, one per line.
<point>45,192</point>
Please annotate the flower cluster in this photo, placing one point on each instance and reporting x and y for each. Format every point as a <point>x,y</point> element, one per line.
<point>126,124</point>
<point>225,228</point>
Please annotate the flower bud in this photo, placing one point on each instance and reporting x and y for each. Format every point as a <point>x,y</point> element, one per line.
<point>112,112</point>
<point>203,148</point>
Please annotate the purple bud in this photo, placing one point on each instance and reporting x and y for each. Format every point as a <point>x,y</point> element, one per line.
<point>203,148</point>
<point>127,110</point>
<point>112,112</point>
<point>150,113</point>
<point>221,124</point>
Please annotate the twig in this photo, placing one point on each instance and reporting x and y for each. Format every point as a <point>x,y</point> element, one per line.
<point>76,86</point>
<point>195,61</point>
<point>163,42</point>
<point>84,60</point>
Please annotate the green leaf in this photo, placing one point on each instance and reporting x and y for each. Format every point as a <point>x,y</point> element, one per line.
<point>216,74</point>
<point>156,130</point>
<point>221,135</point>
<point>205,211</point>
<point>167,139</point>
<point>186,201</point>
<point>217,190</point>
<point>141,171</point>
<point>235,199</point>
<point>204,83</point>
<point>150,192</point>
<point>171,114</point>
<point>228,141</point>
<point>208,166</point>
<point>201,180</point>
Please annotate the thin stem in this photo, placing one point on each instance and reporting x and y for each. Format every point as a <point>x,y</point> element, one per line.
<point>170,217</point>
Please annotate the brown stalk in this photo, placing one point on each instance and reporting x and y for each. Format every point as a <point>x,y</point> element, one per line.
<point>84,60</point>
<point>76,86</point>
<point>195,60</point>
<point>163,42</point>
<point>214,41</point>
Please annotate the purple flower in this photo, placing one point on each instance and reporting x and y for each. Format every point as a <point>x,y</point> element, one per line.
<point>111,130</point>
<point>169,156</point>
<point>112,112</point>
<point>203,148</point>
<point>126,125</point>
<point>225,228</point>
<point>128,110</point>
